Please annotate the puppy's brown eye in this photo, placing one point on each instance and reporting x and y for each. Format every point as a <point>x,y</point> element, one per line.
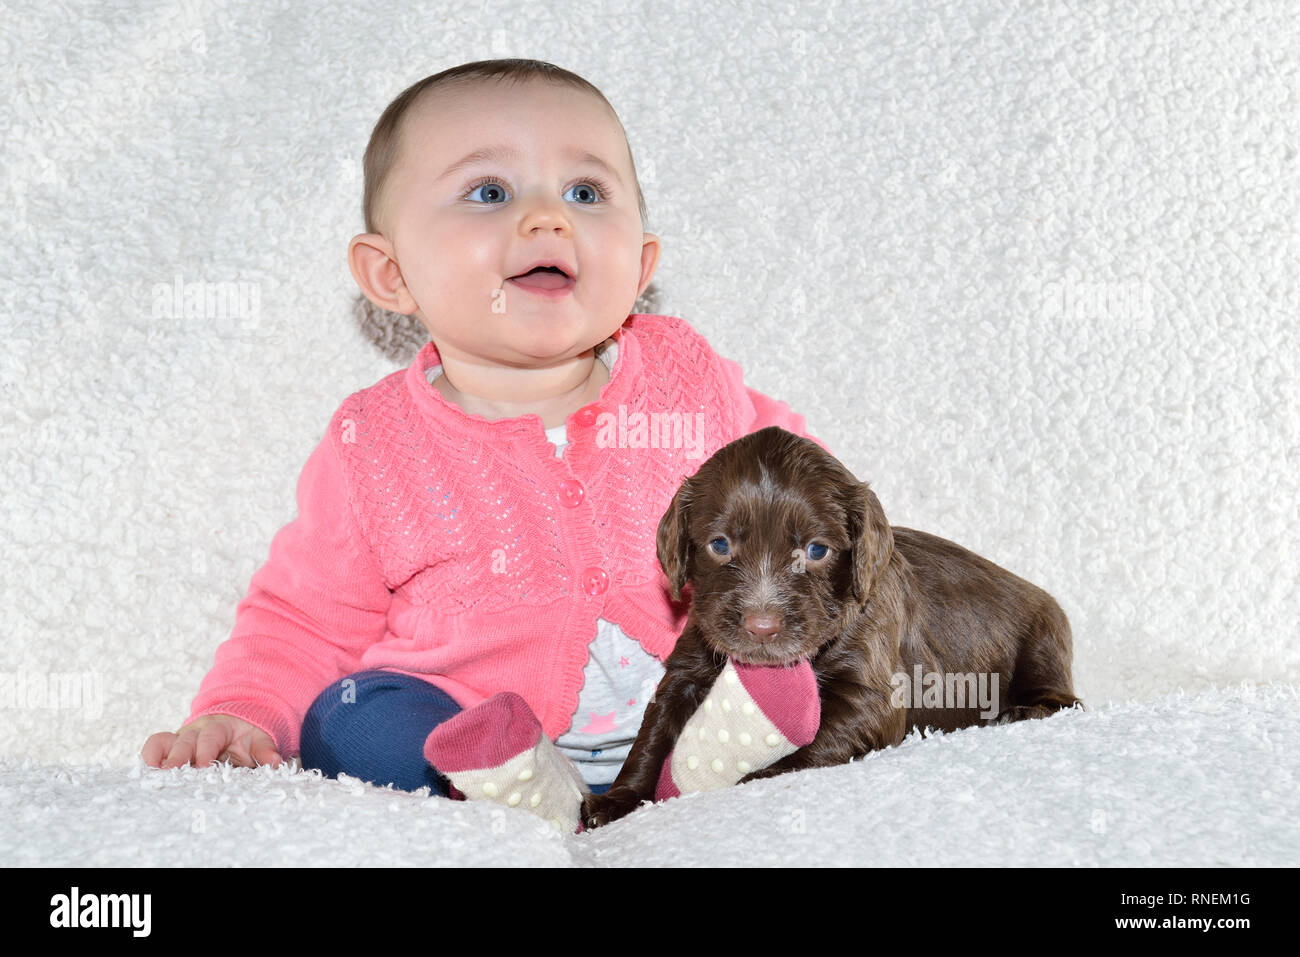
<point>817,551</point>
<point>719,546</point>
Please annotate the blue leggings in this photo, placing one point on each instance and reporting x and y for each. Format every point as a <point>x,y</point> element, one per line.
<point>377,734</point>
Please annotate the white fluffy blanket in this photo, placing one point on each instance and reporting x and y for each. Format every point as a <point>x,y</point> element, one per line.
<point>1028,268</point>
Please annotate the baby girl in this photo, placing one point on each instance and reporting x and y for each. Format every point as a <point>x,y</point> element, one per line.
<point>469,598</point>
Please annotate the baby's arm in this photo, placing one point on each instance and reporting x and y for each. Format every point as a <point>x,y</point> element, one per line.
<point>311,611</point>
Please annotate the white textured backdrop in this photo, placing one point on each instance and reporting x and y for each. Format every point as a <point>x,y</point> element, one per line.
<point>1029,268</point>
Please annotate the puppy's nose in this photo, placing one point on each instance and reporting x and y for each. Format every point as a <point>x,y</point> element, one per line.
<point>762,626</point>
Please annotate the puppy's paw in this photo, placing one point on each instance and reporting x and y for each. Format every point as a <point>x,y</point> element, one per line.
<point>601,809</point>
<point>1037,709</point>
<point>1021,713</point>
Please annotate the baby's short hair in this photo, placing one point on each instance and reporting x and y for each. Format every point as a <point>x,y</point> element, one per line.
<point>385,139</point>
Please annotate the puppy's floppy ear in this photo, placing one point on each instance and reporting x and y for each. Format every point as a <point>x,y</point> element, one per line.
<point>873,540</point>
<point>674,539</point>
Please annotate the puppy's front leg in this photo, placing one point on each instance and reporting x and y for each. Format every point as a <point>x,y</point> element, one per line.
<point>689,674</point>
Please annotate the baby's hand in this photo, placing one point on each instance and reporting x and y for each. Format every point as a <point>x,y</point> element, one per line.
<point>210,738</point>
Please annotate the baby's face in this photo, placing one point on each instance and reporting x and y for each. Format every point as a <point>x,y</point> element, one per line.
<point>460,235</point>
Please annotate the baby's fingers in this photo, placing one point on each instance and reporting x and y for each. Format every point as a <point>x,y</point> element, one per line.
<point>251,748</point>
<point>156,748</point>
<point>213,739</point>
<point>264,753</point>
<point>182,749</point>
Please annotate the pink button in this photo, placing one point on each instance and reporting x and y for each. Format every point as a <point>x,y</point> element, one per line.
<point>585,416</point>
<point>594,580</point>
<point>571,492</point>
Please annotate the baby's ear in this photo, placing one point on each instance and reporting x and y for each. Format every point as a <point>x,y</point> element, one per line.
<point>375,269</point>
<point>674,540</point>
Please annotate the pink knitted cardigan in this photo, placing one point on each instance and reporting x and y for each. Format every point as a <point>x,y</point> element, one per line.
<point>461,550</point>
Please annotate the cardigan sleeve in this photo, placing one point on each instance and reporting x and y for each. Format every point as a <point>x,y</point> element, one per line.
<point>765,410</point>
<point>311,611</point>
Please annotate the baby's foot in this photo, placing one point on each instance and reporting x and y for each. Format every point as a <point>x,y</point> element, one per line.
<point>753,716</point>
<point>496,751</point>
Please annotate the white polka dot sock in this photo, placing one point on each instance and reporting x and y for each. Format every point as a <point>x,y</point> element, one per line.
<point>496,751</point>
<point>753,716</point>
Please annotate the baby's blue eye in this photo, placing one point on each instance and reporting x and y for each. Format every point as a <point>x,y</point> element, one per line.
<point>817,551</point>
<point>495,189</point>
<point>584,194</point>
<point>719,546</point>
<point>587,190</point>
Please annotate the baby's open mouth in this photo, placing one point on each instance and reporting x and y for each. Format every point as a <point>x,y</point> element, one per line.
<point>544,277</point>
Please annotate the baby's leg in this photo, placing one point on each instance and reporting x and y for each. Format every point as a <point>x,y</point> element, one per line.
<point>496,751</point>
<point>372,725</point>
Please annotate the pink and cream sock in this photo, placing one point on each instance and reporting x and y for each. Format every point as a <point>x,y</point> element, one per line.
<point>496,751</point>
<point>753,716</point>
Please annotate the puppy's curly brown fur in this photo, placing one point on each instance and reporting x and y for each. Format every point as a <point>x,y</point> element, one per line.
<point>788,556</point>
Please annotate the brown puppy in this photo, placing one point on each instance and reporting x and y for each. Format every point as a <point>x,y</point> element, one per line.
<point>789,556</point>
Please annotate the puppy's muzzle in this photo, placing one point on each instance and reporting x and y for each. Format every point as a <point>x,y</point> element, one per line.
<point>762,626</point>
